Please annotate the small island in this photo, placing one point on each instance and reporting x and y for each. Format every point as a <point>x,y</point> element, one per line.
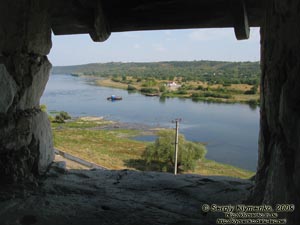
<point>196,90</point>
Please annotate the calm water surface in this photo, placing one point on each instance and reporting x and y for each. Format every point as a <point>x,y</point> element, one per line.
<point>230,130</point>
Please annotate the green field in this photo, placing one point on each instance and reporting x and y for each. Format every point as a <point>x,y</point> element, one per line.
<point>113,148</point>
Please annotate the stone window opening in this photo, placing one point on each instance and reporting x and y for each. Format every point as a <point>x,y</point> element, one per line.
<point>93,198</point>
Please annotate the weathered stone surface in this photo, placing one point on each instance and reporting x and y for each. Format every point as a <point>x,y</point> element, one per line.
<point>41,130</point>
<point>39,74</point>
<point>122,197</point>
<point>8,89</point>
<point>30,73</point>
<point>25,27</point>
<point>25,135</point>
<point>26,147</point>
<point>278,176</point>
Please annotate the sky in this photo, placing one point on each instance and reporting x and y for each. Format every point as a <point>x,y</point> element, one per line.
<point>154,46</point>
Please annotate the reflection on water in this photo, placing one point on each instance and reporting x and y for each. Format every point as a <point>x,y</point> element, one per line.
<point>162,99</point>
<point>231,130</point>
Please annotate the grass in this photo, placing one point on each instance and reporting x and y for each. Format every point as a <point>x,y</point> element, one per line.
<point>81,123</point>
<point>107,148</point>
<point>116,150</point>
<point>111,84</point>
<point>213,168</point>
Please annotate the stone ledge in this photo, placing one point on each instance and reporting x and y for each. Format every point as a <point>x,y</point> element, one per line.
<point>122,197</point>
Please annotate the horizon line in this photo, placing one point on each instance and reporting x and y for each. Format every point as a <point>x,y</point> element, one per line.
<point>164,61</point>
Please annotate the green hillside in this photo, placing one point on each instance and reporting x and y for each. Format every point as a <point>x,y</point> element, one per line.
<point>216,72</point>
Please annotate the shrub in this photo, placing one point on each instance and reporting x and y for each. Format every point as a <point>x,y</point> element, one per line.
<point>131,88</point>
<point>200,87</point>
<point>252,91</point>
<point>51,118</point>
<point>181,92</point>
<point>162,152</point>
<point>162,88</point>
<point>149,83</point>
<point>226,84</point>
<point>211,94</point>
<point>149,90</point>
<point>61,117</point>
<point>216,95</point>
<point>43,108</point>
<point>65,115</point>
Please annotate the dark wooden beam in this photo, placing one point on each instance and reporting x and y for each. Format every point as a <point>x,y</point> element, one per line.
<point>79,16</point>
<point>101,28</point>
<point>71,17</point>
<point>176,14</point>
<point>241,21</point>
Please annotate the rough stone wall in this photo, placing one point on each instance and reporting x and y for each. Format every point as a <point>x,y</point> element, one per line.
<point>278,175</point>
<point>26,147</point>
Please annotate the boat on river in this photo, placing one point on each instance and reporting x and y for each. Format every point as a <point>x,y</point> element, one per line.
<point>114,98</point>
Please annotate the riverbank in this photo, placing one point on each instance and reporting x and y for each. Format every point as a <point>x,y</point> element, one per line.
<point>111,145</point>
<point>197,91</point>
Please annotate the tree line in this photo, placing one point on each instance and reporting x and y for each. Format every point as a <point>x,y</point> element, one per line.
<point>212,72</point>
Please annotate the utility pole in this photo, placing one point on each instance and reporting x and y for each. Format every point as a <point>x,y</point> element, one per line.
<point>176,121</point>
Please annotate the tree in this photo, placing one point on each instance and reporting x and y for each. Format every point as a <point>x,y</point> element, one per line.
<point>131,88</point>
<point>162,152</point>
<point>162,88</point>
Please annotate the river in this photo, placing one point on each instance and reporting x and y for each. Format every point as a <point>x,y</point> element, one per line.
<point>230,130</point>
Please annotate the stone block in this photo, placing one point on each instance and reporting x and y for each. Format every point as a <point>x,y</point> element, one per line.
<point>34,83</point>
<point>25,27</point>
<point>42,133</point>
<point>8,89</point>
<point>31,74</point>
<point>26,146</point>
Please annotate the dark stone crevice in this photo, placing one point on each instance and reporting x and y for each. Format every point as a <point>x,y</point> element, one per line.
<point>277,180</point>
